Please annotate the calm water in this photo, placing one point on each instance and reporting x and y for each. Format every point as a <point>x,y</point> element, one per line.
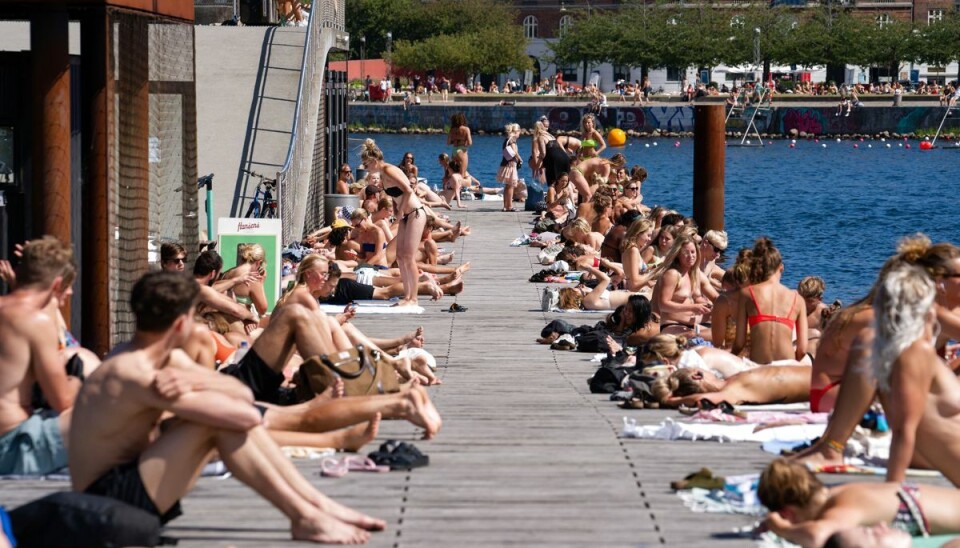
<point>836,212</point>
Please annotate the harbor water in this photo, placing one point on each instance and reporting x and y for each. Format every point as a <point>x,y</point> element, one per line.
<point>833,210</point>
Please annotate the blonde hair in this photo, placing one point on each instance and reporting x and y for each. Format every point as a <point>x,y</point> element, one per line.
<point>904,298</point>
<point>370,151</point>
<point>637,228</point>
<point>683,238</point>
<point>784,483</point>
<point>579,225</point>
<point>251,253</point>
<point>680,383</point>
<point>717,238</point>
<point>359,214</point>
<point>511,128</point>
<point>811,287</point>
<point>664,347</point>
<point>43,260</point>
<point>570,299</point>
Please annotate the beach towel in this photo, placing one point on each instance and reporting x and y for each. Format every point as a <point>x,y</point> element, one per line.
<point>671,429</point>
<point>374,307</point>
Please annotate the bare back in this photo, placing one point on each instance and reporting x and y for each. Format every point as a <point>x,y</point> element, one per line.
<point>771,384</point>
<point>28,344</point>
<point>774,313</point>
<point>114,417</point>
<point>835,345</point>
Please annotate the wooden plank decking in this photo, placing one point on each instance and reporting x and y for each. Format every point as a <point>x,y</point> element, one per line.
<point>527,456</point>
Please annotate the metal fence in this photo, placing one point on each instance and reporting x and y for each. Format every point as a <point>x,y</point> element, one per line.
<point>300,182</point>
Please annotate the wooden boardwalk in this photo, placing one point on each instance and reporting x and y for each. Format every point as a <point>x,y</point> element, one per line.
<point>527,456</point>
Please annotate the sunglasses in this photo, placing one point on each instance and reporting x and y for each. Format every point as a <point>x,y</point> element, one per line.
<point>346,170</point>
<point>179,260</point>
<point>951,275</point>
<point>633,188</point>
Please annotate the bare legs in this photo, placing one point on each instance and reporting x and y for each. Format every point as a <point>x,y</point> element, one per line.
<point>170,467</point>
<point>408,240</point>
<point>508,195</point>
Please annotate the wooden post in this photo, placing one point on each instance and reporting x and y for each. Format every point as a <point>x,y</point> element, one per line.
<point>50,57</point>
<point>97,98</point>
<point>709,149</point>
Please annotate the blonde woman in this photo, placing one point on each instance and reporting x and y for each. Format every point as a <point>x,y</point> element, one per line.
<point>682,296</point>
<point>412,217</point>
<point>589,132</point>
<point>638,237</point>
<point>252,263</point>
<point>460,139</point>
<point>713,244</point>
<point>510,162</point>
<point>594,169</point>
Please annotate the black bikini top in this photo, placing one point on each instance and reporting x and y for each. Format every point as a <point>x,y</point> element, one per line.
<point>394,191</point>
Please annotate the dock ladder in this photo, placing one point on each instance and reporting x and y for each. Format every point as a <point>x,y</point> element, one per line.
<point>750,113</point>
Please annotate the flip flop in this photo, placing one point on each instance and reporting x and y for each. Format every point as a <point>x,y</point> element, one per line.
<point>457,308</point>
<point>399,456</point>
<point>358,463</point>
<point>333,468</point>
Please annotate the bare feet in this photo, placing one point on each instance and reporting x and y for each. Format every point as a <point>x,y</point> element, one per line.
<point>454,287</point>
<point>355,437</point>
<point>457,230</point>
<point>549,338</point>
<point>462,269</point>
<point>332,392</point>
<point>421,367</point>
<point>325,528</point>
<point>818,455</point>
<point>436,292</point>
<point>422,412</point>
<point>349,515</point>
<point>415,338</point>
<point>446,258</point>
<point>406,302</point>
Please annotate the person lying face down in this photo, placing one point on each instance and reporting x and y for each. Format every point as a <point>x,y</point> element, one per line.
<point>805,512</point>
<point>766,384</point>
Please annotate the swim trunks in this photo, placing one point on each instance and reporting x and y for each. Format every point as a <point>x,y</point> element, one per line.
<point>34,447</point>
<point>123,483</point>
<point>252,371</point>
<point>348,291</point>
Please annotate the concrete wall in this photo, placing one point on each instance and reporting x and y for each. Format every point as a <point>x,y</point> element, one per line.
<point>813,120</point>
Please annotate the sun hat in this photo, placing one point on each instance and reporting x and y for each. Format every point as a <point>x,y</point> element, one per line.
<point>340,223</point>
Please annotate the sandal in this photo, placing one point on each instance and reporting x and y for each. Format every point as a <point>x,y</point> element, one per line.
<point>457,308</point>
<point>358,463</point>
<point>399,456</point>
<point>333,468</point>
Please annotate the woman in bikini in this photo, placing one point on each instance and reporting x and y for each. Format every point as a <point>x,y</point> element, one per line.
<point>589,132</point>
<point>372,240</point>
<point>551,159</point>
<point>461,140</point>
<point>509,163</point>
<point>805,512</point>
<point>560,198</point>
<point>637,276</point>
<point>452,182</point>
<point>772,311</point>
<point>682,296</point>
<point>408,166</point>
<point>252,259</point>
<point>412,217</point>
<point>589,170</point>
<point>597,298</point>
<point>840,381</point>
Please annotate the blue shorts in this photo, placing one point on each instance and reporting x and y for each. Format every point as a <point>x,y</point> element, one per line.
<point>34,448</point>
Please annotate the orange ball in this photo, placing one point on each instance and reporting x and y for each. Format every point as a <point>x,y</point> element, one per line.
<point>616,137</point>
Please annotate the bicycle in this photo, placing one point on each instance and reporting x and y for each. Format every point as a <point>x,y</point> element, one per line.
<point>265,190</point>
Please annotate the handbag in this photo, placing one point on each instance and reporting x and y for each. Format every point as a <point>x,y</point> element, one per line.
<point>363,373</point>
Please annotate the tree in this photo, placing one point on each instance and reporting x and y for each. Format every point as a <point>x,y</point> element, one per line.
<point>591,39</point>
<point>939,44</point>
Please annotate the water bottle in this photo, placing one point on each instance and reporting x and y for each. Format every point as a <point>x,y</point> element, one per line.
<point>241,352</point>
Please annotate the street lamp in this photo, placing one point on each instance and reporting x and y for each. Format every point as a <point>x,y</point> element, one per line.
<point>363,73</point>
<point>389,50</point>
<point>756,52</point>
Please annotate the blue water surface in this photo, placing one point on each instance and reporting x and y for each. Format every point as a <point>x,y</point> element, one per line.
<point>835,211</point>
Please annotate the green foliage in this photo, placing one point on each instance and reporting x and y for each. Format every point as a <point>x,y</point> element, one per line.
<point>451,35</point>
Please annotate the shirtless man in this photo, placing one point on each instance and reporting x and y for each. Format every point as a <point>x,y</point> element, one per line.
<point>114,449</point>
<point>28,355</point>
<point>206,270</point>
<point>764,384</point>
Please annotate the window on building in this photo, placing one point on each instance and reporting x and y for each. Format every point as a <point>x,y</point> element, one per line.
<point>934,16</point>
<point>673,74</point>
<point>883,20</point>
<point>566,23</point>
<point>621,72</point>
<point>530,25</point>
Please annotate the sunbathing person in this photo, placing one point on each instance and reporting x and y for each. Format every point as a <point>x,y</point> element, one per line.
<point>342,291</point>
<point>805,512</point>
<point>682,296</point>
<point>639,236</point>
<point>33,443</point>
<point>766,384</point>
<point>840,369</point>
<point>772,311</point>
<point>672,351</point>
<point>206,271</point>
<point>372,240</point>
<point>723,317</point>
<point>811,290</point>
<point>598,298</point>
<point>113,450</point>
<point>251,260</point>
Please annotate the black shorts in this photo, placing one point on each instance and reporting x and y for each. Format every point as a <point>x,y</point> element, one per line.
<point>123,483</point>
<point>348,291</point>
<point>258,376</point>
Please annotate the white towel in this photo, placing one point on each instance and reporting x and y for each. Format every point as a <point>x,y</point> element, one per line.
<point>373,307</point>
<point>721,432</point>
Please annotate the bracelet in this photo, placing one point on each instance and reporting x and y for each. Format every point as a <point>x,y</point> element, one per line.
<point>836,446</point>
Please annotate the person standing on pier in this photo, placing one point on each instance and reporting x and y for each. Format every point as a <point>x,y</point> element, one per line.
<point>412,216</point>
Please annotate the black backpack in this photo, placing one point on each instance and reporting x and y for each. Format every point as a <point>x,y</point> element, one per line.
<point>79,520</point>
